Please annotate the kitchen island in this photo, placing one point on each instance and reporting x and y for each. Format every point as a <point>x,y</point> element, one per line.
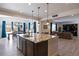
<point>37,44</point>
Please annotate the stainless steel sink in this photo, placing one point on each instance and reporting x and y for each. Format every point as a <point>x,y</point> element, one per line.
<point>26,35</point>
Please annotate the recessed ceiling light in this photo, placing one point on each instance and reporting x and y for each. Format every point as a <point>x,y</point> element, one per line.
<point>47,23</point>
<point>72,15</point>
<point>21,11</point>
<point>45,10</point>
<point>67,3</point>
<point>29,3</point>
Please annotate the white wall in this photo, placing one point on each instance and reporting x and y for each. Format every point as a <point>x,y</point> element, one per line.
<point>66,19</point>
<point>42,27</point>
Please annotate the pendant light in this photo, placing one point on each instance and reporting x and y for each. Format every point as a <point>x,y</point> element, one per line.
<point>29,4</point>
<point>38,17</point>
<point>32,18</point>
<point>47,14</point>
<point>32,15</point>
<point>38,14</point>
<point>48,22</point>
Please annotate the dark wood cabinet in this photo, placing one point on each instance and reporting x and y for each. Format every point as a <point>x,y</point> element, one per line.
<point>29,48</point>
<point>41,48</point>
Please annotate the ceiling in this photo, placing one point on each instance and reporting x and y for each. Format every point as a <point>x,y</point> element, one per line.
<point>25,10</point>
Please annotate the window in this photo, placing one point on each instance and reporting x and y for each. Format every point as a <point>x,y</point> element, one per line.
<point>53,27</point>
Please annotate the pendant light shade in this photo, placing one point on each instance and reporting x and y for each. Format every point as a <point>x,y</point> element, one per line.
<point>38,14</point>
<point>32,20</point>
<point>32,14</point>
<point>47,14</point>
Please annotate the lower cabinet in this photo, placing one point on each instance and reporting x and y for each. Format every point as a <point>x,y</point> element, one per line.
<point>41,48</point>
<point>24,48</point>
<point>20,44</point>
<point>29,48</point>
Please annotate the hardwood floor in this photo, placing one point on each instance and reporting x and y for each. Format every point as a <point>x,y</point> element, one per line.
<point>9,48</point>
<point>65,47</point>
<point>68,47</point>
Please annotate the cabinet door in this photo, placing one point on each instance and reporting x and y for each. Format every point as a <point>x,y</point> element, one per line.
<point>20,44</point>
<point>25,47</point>
<point>41,49</point>
<point>29,48</point>
<point>17,41</point>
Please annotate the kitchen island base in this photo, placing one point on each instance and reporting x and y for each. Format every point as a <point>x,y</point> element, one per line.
<point>43,48</point>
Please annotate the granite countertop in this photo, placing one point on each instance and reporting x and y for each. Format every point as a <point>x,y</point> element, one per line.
<point>37,37</point>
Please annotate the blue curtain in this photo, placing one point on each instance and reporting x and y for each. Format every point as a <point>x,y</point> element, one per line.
<point>28,26</point>
<point>18,27</point>
<point>34,27</point>
<point>50,28</point>
<point>3,29</point>
<point>12,26</point>
<point>24,27</point>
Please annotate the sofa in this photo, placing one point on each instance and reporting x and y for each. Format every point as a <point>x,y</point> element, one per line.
<point>64,35</point>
